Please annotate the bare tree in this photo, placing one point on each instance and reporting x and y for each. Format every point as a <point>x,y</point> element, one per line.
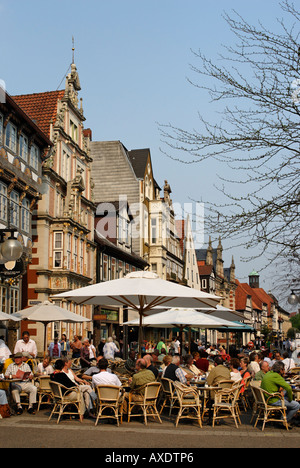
<point>258,136</point>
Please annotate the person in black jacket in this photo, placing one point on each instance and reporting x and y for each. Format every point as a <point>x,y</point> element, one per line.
<point>61,377</point>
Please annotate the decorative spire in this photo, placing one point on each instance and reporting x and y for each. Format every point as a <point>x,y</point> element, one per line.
<point>73,50</point>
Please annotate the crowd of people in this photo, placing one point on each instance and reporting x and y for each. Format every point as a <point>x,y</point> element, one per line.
<point>209,362</point>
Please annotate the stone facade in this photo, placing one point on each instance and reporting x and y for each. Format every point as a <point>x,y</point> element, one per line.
<point>63,231</point>
<point>23,149</point>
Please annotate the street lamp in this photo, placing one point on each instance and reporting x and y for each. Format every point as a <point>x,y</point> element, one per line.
<point>10,249</point>
<point>293,298</point>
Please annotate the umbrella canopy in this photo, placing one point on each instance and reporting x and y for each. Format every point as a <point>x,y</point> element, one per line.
<point>142,291</point>
<point>46,312</point>
<point>183,318</point>
<point>4,317</point>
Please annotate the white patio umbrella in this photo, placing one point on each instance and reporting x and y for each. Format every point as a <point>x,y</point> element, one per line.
<point>182,317</point>
<point>46,312</point>
<point>4,317</point>
<point>179,317</point>
<point>142,291</point>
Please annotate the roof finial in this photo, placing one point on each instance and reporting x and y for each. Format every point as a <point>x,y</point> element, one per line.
<point>73,50</point>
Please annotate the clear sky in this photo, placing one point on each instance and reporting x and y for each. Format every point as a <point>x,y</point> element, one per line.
<point>133,58</point>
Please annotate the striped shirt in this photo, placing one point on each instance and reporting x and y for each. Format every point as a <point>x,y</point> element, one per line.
<point>13,369</point>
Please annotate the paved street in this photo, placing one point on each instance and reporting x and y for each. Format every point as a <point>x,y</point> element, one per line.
<point>36,431</point>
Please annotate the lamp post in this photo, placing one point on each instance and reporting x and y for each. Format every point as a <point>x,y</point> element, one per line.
<point>293,299</point>
<point>10,249</point>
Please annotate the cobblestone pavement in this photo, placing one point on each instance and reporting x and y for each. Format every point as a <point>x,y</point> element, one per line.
<point>35,431</point>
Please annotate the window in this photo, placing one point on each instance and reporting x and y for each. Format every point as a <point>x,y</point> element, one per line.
<point>3,298</point>
<point>146,225</point>
<point>3,202</point>
<point>34,157</point>
<point>66,165</point>
<point>73,131</point>
<point>105,268</point>
<point>14,300</point>
<point>81,257</point>
<point>75,253</point>
<point>11,137</point>
<point>113,268</point>
<point>153,230</point>
<point>69,249</point>
<point>58,249</point>
<point>23,147</point>
<point>25,215</point>
<point>204,283</point>
<point>14,209</point>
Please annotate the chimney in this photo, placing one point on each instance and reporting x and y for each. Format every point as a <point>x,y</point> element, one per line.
<point>254,279</point>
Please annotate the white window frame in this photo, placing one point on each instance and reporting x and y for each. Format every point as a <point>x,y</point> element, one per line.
<point>58,246</point>
<point>69,250</point>
<point>23,147</point>
<point>25,215</point>
<point>14,201</point>
<point>154,230</point>
<point>34,157</point>
<point>3,202</point>
<point>75,253</point>
<point>11,137</point>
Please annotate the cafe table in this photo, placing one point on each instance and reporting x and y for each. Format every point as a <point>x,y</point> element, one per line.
<point>206,396</point>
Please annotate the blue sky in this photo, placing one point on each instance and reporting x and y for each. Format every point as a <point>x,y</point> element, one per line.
<point>133,58</point>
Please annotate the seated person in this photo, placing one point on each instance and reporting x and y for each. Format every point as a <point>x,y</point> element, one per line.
<point>61,377</point>
<point>245,374</point>
<point>190,367</point>
<point>150,366</point>
<point>218,373</point>
<point>202,362</point>
<point>162,354</point>
<point>264,368</point>
<point>93,370</point>
<point>142,377</point>
<point>273,382</point>
<point>103,377</point>
<point>176,373</point>
<point>87,391</point>
<point>44,368</point>
<point>131,360</point>
<point>17,370</point>
<point>234,370</point>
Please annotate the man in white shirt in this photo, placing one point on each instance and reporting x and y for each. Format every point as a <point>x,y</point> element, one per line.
<point>104,377</point>
<point>26,345</point>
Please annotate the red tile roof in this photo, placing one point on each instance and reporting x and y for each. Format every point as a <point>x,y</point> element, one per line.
<point>204,270</point>
<point>258,295</point>
<point>41,107</point>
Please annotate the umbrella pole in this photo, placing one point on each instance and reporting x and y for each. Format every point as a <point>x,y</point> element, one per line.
<point>45,337</point>
<point>140,333</point>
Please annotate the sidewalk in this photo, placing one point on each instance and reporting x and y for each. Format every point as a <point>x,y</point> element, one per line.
<point>35,431</point>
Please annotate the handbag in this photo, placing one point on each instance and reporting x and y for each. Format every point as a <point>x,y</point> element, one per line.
<point>5,411</point>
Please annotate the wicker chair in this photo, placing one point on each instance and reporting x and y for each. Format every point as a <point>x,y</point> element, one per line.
<point>188,399</point>
<point>254,385</point>
<point>62,400</point>
<point>226,404</point>
<point>147,402</point>
<point>110,397</point>
<point>169,395</point>
<point>267,412</point>
<point>44,391</point>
